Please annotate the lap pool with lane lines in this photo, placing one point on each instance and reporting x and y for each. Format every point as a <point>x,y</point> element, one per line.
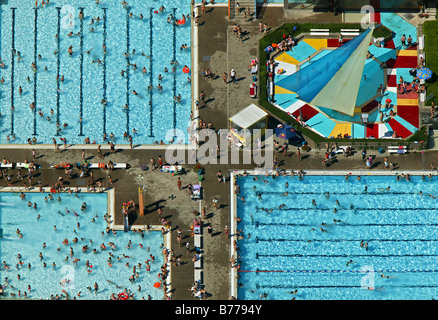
<point>284,249</point>
<point>77,101</point>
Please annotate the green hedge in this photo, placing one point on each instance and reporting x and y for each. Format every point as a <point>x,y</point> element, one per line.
<point>276,36</point>
<point>430,31</point>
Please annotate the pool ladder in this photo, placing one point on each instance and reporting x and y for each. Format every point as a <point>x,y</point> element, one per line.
<point>104,70</point>
<point>151,134</point>
<point>12,68</point>
<point>35,73</point>
<point>127,70</point>
<point>81,65</point>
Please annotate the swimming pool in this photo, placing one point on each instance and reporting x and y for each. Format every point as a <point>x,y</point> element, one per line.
<point>152,43</point>
<point>89,227</point>
<point>308,246</point>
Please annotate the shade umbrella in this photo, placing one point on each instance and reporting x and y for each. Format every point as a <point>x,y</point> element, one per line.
<point>285,132</point>
<point>424,73</point>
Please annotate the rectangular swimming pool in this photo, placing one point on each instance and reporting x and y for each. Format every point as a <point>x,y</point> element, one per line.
<point>332,238</point>
<point>109,84</point>
<point>43,256</point>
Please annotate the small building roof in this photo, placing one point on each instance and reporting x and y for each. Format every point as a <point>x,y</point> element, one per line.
<point>248,116</point>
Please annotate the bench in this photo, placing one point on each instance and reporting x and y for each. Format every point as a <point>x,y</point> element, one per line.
<point>171,168</point>
<point>397,149</point>
<point>7,165</point>
<point>198,263</point>
<point>198,275</point>
<point>423,96</point>
<point>341,149</point>
<point>421,43</point>
<point>103,165</point>
<point>270,86</point>
<point>319,32</point>
<point>198,242</point>
<point>23,165</point>
<point>60,165</point>
<point>350,32</point>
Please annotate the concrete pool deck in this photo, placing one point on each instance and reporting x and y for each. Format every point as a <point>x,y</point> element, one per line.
<point>220,51</point>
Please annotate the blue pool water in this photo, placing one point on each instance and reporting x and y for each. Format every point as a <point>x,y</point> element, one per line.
<point>399,226</point>
<point>47,281</point>
<point>156,42</point>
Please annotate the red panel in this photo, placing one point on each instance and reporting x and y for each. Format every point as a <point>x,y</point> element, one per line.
<point>335,42</point>
<point>392,81</point>
<point>400,130</point>
<point>370,106</point>
<point>390,63</point>
<point>372,130</point>
<point>375,17</point>
<point>307,112</point>
<point>406,62</point>
<point>390,44</point>
<point>410,113</point>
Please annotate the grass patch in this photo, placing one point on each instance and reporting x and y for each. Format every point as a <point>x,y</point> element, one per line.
<point>430,31</point>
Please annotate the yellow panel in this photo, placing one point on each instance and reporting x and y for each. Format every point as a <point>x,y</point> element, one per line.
<point>341,128</point>
<point>316,43</point>
<point>286,58</point>
<point>411,53</point>
<point>357,110</point>
<point>407,102</point>
<point>280,90</point>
